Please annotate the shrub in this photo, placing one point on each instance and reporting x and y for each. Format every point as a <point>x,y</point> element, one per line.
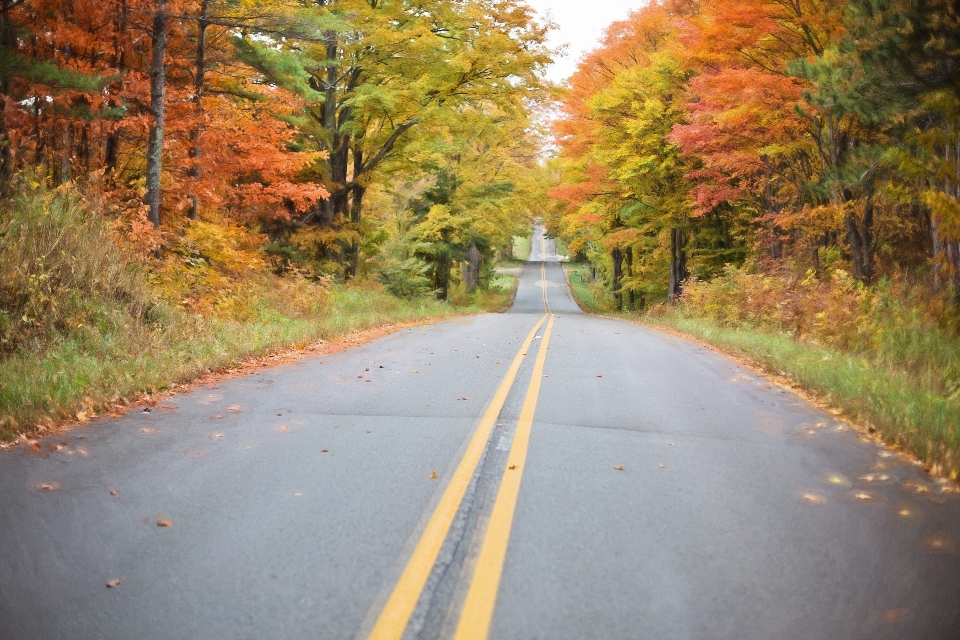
<point>61,273</point>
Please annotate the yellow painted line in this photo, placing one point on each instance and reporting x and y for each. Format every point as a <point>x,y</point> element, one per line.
<point>396,613</point>
<point>482,597</point>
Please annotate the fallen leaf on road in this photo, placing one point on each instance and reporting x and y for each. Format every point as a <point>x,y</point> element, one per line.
<point>619,467</point>
<point>836,479</point>
<point>47,485</point>
<point>113,492</point>
<point>416,371</point>
<point>359,376</point>
<point>878,478</point>
<point>368,430</point>
<point>324,451</point>
<point>812,498</point>
<point>148,430</point>
<point>433,475</point>
<point>864,497</point>
<point>663,466</point>
<point>163,523</point>
<point>216,436</point>
<point>512,467</point>
<point>940,543</point>
<point>907,511</point>
<point>599,376</point>
<point>895,615</point>
<point>671,444</point>
<point>113,583</point>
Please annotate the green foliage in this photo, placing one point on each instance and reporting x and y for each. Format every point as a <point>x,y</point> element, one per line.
<point>406,278</point>
<point>13,64</point>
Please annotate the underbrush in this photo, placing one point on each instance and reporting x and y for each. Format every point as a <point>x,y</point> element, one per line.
<point>84,327</point>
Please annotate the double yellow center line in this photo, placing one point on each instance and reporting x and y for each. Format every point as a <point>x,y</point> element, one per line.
<point>481,598</point>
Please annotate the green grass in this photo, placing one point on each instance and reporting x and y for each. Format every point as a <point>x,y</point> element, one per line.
<point>521,247</point>
<point>887,395</point>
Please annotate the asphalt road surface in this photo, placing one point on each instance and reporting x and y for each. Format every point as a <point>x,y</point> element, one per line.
<point>537,474</point>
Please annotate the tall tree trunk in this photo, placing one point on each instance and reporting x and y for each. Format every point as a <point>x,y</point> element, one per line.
<point>441,278</point>
<point>112,147</point>
<point>6,153</point>
<point>356,205</point>
<point>628,255</point>
<point>860,237</point>
<point>678,265</point>
<point>66,152</point>
<point>200,71</point>
<point>471,269</point>
<point>617,257</point>
<point>157,91</point>
<point>39,146</point>
<point>335,207</point>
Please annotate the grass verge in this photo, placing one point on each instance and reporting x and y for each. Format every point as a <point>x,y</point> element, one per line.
<point>521,247</point>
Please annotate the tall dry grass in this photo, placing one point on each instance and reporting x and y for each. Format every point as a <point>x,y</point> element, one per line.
<point>61,274</point>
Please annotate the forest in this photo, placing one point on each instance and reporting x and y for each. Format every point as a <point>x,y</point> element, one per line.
<point>808,135</point>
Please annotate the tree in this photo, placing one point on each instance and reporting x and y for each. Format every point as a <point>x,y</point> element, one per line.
<point>380,71</point>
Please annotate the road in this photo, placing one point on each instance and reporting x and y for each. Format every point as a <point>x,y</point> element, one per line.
<point>537,474</point>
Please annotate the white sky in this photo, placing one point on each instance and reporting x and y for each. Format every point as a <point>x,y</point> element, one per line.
<point>581,24</point>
